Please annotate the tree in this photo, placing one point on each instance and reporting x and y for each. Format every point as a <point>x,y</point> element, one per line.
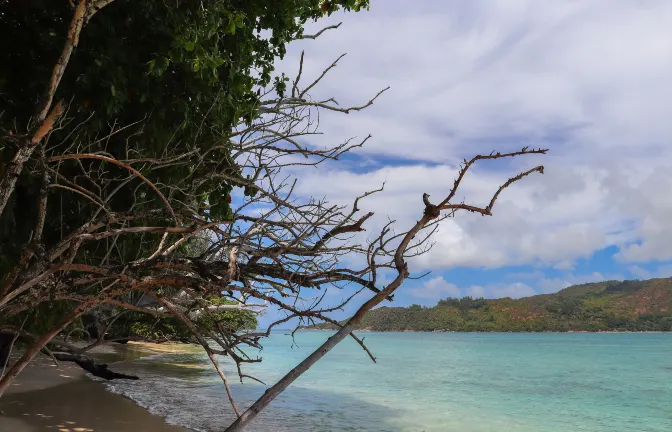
<point>137,191</point>
<point>158,65</point>
<point>568,306</point>
<point>121,113</point>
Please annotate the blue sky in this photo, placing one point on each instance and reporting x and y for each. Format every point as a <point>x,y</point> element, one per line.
<point>589,80</point>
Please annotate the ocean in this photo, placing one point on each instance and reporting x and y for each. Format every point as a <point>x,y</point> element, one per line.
<point>431,382</point>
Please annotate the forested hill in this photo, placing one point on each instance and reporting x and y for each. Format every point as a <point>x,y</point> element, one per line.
<point>611,305</point>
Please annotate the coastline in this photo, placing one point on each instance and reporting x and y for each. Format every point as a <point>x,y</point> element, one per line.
<point>368,330</point>
<point>63,398</point>
<point>46,396</point>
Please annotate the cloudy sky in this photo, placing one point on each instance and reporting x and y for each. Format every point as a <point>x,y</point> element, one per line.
<point>590,80</point>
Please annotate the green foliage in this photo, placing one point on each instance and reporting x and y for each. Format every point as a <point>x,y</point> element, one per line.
<point>464,303</point>
<point>150,327</point>
<point>620,306</point>
<point>626,287</point>
<point>44,317</point>
<point>168,77</point>
<point>186,70</point>
<point>565,306</point>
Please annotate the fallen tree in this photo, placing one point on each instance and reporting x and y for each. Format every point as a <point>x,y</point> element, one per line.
<point>211,245</point>
<point>100,370</point>
<point>9,336</point>
<point>107,159</point>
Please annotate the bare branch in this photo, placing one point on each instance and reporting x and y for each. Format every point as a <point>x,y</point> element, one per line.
<point>121,164</point>
<point>429,214</point>
<point>316,35</point>
<point>324,72</point>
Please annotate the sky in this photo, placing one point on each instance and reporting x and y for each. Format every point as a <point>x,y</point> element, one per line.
<point>589,80</point>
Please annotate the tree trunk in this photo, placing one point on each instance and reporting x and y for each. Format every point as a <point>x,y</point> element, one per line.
<point>5,346</point>
<point>32,350</point>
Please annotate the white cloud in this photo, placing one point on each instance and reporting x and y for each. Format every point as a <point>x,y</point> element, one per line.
<point>523,230</point>
<point>589,80</point>
<point>639,272</point>
<point>436,288</point>
<point>513,290</point>
<point>550,285</point>
<point>476,291</point>
<point>651,206</point>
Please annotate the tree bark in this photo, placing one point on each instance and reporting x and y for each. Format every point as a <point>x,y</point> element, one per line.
<point>39,345</point>
<point>334,340</point>
<point>5,345</point>
<point>88,364</point>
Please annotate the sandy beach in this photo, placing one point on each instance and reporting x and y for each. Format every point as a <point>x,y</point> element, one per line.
<point>61,398</point>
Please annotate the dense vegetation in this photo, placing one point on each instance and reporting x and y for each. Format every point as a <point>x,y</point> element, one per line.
<point>144,326</point>
<point>146,81</point>
<point>127,130</point>
<point>603,306</point>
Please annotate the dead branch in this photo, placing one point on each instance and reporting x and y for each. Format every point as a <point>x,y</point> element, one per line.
<point>100,370</point>
<point>205,345</point>
<point>41,342</point>
<point>316,35</point>
<point>121,164</point>
<point>274,250</point>
<point>402,274</point>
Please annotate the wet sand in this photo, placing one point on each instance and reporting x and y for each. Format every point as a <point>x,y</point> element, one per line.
<point>47,397</point>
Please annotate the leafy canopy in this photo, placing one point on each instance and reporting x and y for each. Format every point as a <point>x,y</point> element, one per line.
<point>166,77</point>
<point>183,71</point>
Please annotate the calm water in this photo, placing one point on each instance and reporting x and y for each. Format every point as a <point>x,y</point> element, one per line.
<point>464,382</point>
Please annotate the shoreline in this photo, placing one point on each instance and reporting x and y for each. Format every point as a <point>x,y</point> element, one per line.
<point>368,330</point>
<point>46,396</point>
<point>50,397</point>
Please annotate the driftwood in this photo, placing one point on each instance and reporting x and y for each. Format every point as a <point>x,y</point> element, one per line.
<point>5,348</point>
<point>9,336</point>
<point>88,364</point>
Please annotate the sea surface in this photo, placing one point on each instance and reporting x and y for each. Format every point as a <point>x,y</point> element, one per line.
<point>466,382</point>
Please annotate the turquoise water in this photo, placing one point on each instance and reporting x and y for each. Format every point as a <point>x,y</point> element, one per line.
<point>467,382</point>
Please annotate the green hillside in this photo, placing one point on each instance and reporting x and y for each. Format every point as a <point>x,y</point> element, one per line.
<point>611,305</point>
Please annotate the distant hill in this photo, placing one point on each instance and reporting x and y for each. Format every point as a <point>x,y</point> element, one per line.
<point>604,306</point>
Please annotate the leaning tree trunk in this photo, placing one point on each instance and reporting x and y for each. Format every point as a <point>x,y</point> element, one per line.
<point>5,348</point>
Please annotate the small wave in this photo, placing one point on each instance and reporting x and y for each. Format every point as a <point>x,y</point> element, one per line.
<point>164,391</point>
<point>152,401</point>
<point>477,383</point>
